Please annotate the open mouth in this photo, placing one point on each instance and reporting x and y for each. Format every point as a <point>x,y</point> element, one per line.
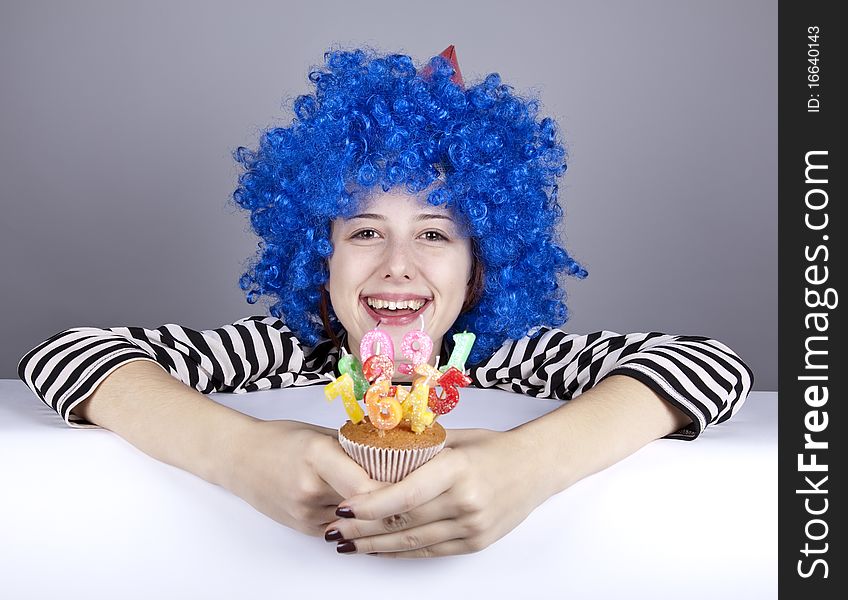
<point>395,312</point>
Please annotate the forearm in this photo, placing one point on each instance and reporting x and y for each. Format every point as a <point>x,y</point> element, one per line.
<point>597,429</point>
<point>167,420</point>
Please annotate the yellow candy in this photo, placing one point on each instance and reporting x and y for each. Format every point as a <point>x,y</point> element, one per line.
<point>408,408</point>
<point>402,396</point>
<point>384,411</point>
<point>429,375</point>
<point>420,414</point>
<point>343,386</point>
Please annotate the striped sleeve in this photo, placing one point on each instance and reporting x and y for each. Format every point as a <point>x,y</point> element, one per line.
<point>252,353</point>
<point>700,376</point>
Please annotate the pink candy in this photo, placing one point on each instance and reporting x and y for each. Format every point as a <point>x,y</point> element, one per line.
<point>370,341</point>
<point>419,354</point>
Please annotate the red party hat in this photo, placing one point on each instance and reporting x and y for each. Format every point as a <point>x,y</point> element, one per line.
<point>450,54</point>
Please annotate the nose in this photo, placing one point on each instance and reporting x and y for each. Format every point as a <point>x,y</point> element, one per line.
<point>400,261</point>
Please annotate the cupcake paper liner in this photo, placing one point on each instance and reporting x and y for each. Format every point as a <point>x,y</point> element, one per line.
<point>388,464</point>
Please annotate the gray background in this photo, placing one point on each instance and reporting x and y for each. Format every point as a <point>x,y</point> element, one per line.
<point>117,120</point>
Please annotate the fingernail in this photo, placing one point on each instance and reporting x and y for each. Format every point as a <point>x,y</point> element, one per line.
<point>333,535</point>
<point>344,512</point>
<point>345,547</point>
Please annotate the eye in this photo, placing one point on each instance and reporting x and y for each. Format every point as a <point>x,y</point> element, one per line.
<point>434,236</point>
<point>364,234</point>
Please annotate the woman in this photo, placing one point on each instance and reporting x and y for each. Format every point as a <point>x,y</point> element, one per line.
<point>395,185</point>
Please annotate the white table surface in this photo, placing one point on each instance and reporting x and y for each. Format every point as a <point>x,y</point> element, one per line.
<point>83,514</point>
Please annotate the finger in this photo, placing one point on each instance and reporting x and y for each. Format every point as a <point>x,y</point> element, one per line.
<point>311,521</point>
<point>344,475</point>
<point>327,496</point>
<point>315,520</point>
<point>410,539</point>
<point>322,492</point>
<point>419,487</point>
<point>436,510</point>
<point>324,517</point>
<point>449,548</point>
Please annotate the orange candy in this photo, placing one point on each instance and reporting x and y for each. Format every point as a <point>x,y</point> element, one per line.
<point>427,374</point>
<point>384,411</point>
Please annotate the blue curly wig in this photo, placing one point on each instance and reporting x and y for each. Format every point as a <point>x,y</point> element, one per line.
<point>375,120</point>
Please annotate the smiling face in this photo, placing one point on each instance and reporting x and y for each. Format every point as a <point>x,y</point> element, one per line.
<point>397,259</point>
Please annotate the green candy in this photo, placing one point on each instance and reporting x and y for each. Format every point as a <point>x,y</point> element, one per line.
<point>350,364</point>
<point>461,350</point>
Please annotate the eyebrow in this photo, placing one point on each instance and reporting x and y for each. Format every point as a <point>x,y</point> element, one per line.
<point>420,217</point>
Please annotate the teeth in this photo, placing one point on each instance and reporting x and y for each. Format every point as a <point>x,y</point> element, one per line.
<point>395,305</point>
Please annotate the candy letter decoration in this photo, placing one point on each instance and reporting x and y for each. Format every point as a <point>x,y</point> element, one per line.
<point>343,386</point>
<point>427,375</point>
<point>350,365</point>
<point>461,350</point>
<point>374,342</point>
<point>417,346</point>
<point>420,417</point>
<point>378,367</point>
<point>446,401</point>
<point>402,396</point>
<point>384,411</point>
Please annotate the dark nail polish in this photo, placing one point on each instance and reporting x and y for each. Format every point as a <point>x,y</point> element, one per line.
<point>344,512</point>
<point>345,547</point>
<point>333,535</point>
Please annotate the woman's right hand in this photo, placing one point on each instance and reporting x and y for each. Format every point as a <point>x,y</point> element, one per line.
<point>296,473</point>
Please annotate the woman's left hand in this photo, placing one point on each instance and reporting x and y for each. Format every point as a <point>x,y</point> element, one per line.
<point>471,494</point>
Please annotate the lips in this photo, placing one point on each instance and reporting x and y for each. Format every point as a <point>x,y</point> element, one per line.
<point>393,320</point>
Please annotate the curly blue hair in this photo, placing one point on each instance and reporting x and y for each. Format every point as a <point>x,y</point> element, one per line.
<point>375,119</point>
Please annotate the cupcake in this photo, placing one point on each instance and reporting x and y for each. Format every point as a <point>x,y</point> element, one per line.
<point>393,455</point>
<point>399,432</point>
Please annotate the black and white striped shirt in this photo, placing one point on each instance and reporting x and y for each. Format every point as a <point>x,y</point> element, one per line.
<point>698,375</point>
